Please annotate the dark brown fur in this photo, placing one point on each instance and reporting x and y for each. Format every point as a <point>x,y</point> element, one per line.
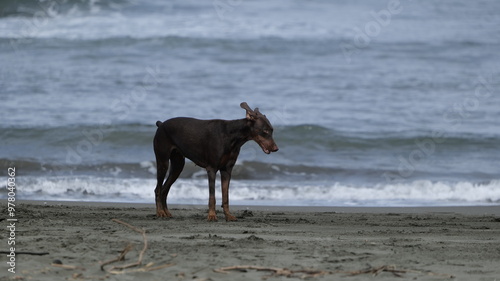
<point>211,144</point>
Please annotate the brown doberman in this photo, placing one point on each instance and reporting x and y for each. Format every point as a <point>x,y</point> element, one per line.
<point>211,144</point>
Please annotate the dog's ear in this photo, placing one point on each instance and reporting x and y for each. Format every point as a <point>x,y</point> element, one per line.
<point>251,115</point>
<point>245,106</point>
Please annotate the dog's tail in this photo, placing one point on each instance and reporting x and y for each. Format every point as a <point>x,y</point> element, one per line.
<point>158,123</point>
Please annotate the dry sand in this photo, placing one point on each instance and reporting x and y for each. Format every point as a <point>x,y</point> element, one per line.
<point>415,243</point>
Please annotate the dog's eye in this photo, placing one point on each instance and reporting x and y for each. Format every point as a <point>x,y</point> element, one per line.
<point>266,132</point>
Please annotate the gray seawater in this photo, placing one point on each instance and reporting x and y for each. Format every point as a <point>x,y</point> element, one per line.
<point>374,103</point>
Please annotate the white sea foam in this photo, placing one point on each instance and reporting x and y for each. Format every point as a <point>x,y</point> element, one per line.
<point>195,191</point>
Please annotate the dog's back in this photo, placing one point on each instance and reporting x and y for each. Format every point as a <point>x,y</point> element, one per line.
<point>193,138</point>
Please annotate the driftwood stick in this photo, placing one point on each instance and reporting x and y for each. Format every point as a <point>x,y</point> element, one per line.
<point>141,254</point>
<point>27,253</point>
<point>141,269</point>
<point>308,273</point>
<point>120,257</point>
<point>146,268</point>
<point>275,270</point>
<point>376,270</point>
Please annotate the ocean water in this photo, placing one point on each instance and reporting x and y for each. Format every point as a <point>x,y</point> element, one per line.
<point>374,103</point>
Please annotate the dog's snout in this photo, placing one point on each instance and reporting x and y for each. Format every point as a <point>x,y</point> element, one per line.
<point>275,148</point>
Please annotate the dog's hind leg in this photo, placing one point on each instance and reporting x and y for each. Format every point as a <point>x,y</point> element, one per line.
<point>162,161</point>
<point>177,161</point>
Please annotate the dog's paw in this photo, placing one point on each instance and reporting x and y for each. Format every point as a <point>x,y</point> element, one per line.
<point>212,217</point>
<point>163,214</point>
<point>230,217</point>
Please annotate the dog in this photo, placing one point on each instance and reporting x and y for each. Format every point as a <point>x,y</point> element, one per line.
<point>210,144</point>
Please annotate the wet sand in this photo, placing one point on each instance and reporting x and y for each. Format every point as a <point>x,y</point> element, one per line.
<point>321,243</point>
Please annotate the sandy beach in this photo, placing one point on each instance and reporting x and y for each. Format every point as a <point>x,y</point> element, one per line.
<point>69,241</point>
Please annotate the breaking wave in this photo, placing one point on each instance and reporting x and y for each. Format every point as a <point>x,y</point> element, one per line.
<point>243,192</point>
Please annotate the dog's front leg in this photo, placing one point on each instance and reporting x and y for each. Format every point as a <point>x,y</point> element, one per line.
<point>211,199</point>
<point>225,179</point>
